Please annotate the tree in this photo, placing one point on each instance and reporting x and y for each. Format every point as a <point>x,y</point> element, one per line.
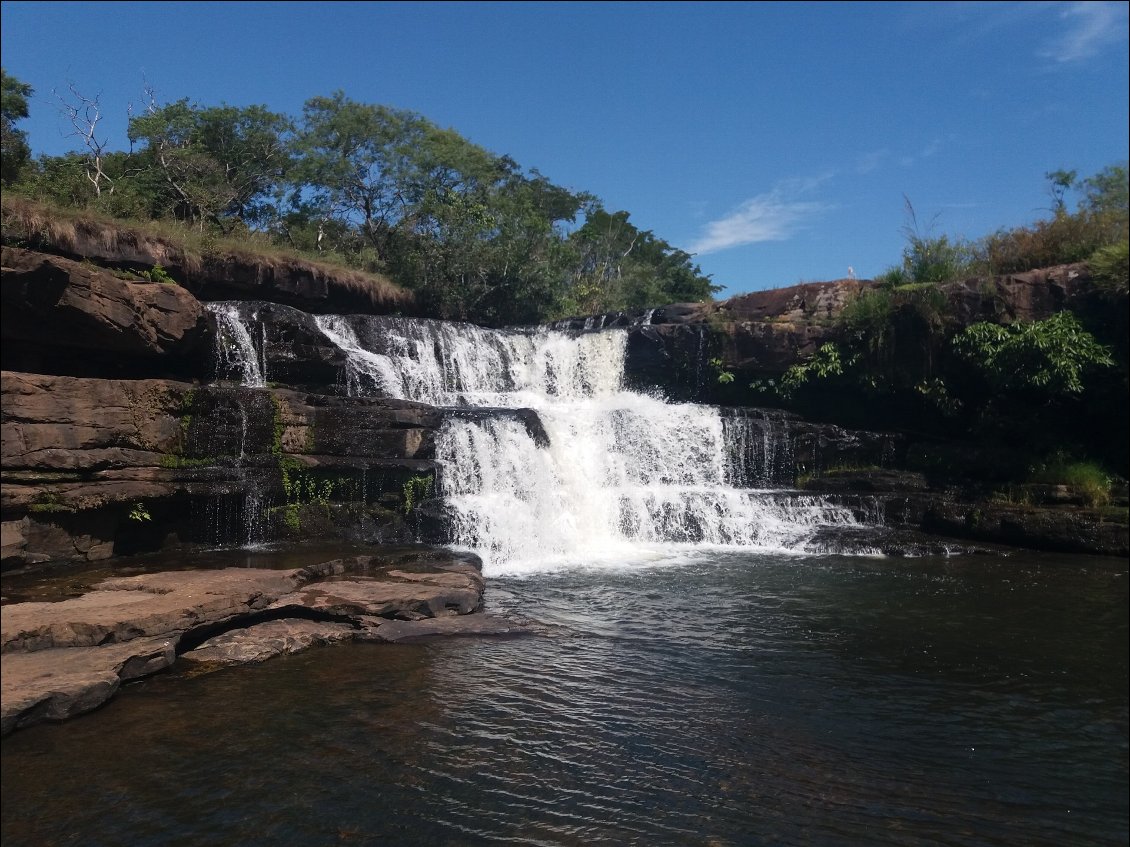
<point>1108,191</point>
<point>15,153</point>
<point>619,266</point>
<point>219,164</point>
<point>355,165</point>
<point>1060,182</point>
<point>84,114</point>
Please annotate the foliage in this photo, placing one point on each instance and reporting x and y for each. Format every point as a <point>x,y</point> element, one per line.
<point>1110,267</point>
<point>216,164</point>
<point>15,154</point>
<point>1101,219</point>
<point>417,488</point>
<point>891,334</point>
<point>929,259</point>
<point>723,376</point>
<point>138,512</point>
<point>472,234</point>
<point>622,267</point>
<point>1087,478</point>
<point>826,362</point>
<point>157,274</point>
<point>1050,357</point>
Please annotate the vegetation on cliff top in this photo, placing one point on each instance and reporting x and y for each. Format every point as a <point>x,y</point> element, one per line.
<point>472,234</point>
<point>906,355</point>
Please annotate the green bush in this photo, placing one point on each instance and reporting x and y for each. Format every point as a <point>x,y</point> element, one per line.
<point>1110,267</point>
<point>1089,480</point>
<point>1064,239</point>
<point>1048,357</point>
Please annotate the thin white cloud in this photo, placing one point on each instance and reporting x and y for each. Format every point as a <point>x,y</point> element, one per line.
<point>1087,29</point>
<point>773,216</point>
<point>872,161</point>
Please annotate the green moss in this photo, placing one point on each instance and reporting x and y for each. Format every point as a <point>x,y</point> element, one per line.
<point>49,503</point>
<point>172,461</point>
<point>277,426</point>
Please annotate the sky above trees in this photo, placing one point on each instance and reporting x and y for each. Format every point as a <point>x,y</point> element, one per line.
<point>776,142</point>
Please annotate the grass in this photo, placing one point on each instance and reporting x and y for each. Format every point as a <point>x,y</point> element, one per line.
<point>1088,479</point>
<point>167,244</point>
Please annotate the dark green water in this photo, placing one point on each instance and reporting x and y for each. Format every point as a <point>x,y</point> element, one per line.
<point>720,699</point>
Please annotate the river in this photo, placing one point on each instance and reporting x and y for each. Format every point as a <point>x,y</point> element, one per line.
<point>693,698</point>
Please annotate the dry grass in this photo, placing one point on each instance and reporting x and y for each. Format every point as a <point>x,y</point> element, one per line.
<point>82,233</point>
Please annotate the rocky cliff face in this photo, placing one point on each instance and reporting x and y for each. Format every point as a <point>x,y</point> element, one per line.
<point>123,432</point>
<point>112,443</point>
<point>763,333</point>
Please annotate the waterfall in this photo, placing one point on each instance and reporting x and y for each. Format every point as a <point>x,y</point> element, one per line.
<point>235,351</point>
<point>624,474</point>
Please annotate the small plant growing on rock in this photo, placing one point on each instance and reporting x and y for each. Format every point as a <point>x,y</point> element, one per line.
<point>724,376</point>
<point>139,513</point>
<point>157,274</point>
<point>416,489</point>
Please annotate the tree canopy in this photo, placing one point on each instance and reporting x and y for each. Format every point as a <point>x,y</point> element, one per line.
<point>475,235</point>
<point>13,142</point>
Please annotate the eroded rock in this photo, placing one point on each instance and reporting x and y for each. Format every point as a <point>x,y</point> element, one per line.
<point>74,318</point>
<point>68,657</point>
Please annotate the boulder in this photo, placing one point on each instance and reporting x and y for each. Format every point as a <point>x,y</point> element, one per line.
<point>67,317</point>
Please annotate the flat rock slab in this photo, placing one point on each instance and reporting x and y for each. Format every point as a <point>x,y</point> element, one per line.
<point>64,658</point>
<point>268,639</point>
<point>161,604</point>
<point>462,625</point>
<point>62,683</point>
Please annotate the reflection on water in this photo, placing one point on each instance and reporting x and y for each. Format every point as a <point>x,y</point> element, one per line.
<point>731,700</point>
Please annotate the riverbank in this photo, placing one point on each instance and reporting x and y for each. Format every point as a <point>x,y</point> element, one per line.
<point>69,644</point>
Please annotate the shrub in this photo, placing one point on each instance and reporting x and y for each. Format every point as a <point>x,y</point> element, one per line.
<point>1064,239</point>
<point>1110,267</point>
<point>1047,357</point>
<point>1089,480</point>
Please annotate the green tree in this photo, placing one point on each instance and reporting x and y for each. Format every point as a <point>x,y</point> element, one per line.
<point>358,164</point>
<point>15,154</point>
<point>1108,192</point>
<point>619,266</point>
<point>220,164</point>
<point>1060,182</point>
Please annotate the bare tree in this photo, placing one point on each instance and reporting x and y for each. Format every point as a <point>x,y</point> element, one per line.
<point>84,114</point>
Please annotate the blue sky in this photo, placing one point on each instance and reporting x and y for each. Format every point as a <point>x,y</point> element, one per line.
<point>776,141</point>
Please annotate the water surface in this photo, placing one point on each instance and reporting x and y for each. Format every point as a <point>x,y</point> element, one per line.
<point>715,699</point>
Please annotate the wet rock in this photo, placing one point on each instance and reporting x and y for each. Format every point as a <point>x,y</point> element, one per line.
<point>265,640</point>
<point>1039,528</point>
<point>398,631</point>
<point>867,480</point>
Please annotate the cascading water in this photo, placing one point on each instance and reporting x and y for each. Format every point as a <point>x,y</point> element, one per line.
<point>624,474</point>
<point>235,351</point>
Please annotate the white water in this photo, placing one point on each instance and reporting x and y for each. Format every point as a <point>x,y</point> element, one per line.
<point>624,476</point>
<point>235,350</point>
